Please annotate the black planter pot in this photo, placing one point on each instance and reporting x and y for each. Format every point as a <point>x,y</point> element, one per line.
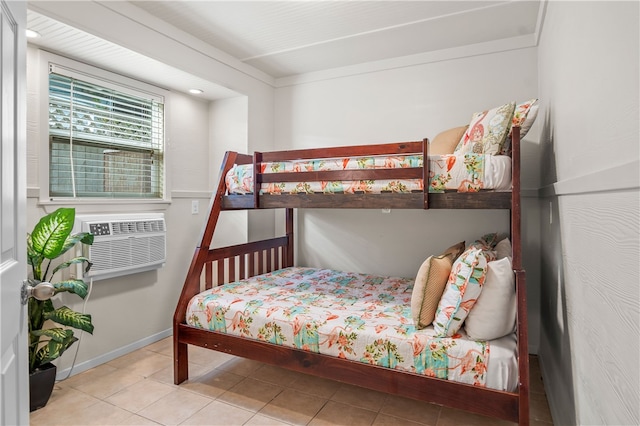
<point>41,384</point>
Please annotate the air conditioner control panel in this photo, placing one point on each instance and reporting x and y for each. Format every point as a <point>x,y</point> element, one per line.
<point>100,228</point>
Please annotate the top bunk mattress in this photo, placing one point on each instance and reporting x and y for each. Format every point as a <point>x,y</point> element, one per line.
<point>360,317</point>
<point>468,172</point>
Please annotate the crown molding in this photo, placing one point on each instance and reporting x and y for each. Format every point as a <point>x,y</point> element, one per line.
<point>496,46</point>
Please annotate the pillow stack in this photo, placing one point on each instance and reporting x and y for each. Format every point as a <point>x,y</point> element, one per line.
<point>473,287</point>
<point>489,131</point>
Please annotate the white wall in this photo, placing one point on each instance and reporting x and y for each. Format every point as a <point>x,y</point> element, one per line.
<point>589,348</point>
<point>404,104</point>
<point>134,310</point>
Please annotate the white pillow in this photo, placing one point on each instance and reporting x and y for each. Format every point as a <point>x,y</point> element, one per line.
<point>494,314</point>
<point>503,249</point>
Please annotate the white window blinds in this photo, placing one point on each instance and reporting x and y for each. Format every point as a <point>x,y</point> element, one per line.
<point>104,140</point>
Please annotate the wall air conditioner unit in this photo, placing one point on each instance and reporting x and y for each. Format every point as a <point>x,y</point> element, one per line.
<point>123,243</point>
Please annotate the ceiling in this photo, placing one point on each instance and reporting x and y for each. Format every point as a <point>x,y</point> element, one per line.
<point>291,38</point>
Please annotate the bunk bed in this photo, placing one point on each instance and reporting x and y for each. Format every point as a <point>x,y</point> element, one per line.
<point>213,267</point>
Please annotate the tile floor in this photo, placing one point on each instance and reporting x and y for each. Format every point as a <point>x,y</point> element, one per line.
<point>137,389</point>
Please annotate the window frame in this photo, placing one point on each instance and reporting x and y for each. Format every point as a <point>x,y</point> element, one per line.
<point>108,79</point>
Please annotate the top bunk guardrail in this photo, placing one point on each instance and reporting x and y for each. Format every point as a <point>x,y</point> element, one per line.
<point>422,199</point>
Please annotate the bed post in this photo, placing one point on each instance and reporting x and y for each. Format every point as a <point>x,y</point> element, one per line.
<point>425,173</point>
<point>289,230</point>
<point>523,352</point>
<point>521,288</point>
<point>257,160</point>
<point>516,235</point>
<point>192,282</point>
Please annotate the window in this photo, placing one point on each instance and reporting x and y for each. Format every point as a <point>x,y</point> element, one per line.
<point>105,140</point>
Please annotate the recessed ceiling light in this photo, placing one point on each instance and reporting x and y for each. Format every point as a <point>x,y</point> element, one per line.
<point>32,34</point>
<point>195,91</point>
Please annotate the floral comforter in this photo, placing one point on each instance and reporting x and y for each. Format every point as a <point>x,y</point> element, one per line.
<point>355,316</point>
<point>464,173</point>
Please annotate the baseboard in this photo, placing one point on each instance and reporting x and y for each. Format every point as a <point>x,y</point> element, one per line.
<point>109,356</point>
<point>553,404</point>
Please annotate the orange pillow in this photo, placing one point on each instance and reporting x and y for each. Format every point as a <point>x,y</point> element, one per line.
<point>429,285</point>
<point>445,142</point>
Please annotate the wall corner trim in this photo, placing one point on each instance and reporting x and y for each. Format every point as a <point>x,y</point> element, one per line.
<point>179,193</point>
<point>621,177</point>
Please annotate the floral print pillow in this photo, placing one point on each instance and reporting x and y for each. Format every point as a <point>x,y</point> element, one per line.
<point>487,131</point>
<point>524,116</point>
<point>461,292</point>
<point>487,243</point>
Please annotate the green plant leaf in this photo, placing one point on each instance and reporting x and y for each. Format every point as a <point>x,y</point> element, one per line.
<point>72,240</point>
<point>73,261</point>
<point>51,232</point>
<point>68,317</point>
<point>52,350</point>
<point>31,253</point>
<point>57,334</point>
<point>34,259</point>
<point>87,238</point>
<point>78,287</point>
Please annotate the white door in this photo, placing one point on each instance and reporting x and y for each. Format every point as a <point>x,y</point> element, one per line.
<point>14,375</point>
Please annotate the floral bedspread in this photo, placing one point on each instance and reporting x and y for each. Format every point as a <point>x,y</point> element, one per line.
<point>464,173</point>
<point>355,316</point>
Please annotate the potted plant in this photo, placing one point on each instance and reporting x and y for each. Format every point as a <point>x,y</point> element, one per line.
<point>50,239</point>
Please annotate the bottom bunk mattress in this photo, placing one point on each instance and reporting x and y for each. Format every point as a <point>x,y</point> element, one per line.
<point>360,317</point>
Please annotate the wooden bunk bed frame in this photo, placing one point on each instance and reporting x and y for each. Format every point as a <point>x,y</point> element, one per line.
<point>221,265</point>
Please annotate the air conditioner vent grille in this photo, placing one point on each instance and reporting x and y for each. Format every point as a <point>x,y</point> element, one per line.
<point>136,227</point>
